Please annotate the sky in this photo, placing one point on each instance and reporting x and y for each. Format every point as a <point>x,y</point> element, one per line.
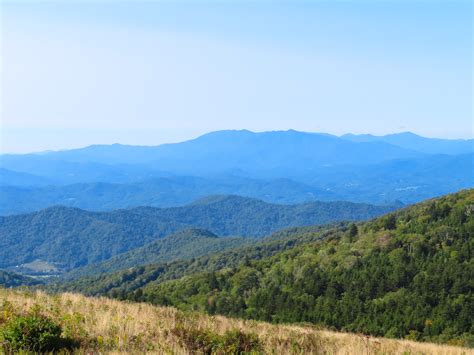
<point>75,73</point>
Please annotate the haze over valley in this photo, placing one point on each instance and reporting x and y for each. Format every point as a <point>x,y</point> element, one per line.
<point>236,177</point>
<point>278,167</point>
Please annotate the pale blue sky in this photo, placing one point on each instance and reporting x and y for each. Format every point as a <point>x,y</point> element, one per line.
<point>76,73</point>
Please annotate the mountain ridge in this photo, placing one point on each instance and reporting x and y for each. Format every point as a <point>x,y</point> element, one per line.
<point>182,245</point>
<point>75,237</point>
<point>411,140</point>
<point>227,150</point>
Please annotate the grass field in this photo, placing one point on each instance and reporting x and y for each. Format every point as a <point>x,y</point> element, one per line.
<point>103,325</point>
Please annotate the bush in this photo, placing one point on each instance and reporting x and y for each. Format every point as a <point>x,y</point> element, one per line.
<point>196,340</point>
<point>207,342</point>
<point>236,342</point>
<point>389,222</point>
<point>32,333</point>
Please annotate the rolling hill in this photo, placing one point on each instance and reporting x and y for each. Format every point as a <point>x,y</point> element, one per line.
<point>11,279</point>
<point>183,245</point>
<point>72,237</point>
<point>92,282</point>
<point>156,192</point>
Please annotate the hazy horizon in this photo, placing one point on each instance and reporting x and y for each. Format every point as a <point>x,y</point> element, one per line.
<point>78,73</point>
<point>205,133</point>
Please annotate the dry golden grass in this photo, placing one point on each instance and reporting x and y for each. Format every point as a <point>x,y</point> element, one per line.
<point>108,326</point>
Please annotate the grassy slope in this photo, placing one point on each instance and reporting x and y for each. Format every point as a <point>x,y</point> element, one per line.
<point>105,325</point>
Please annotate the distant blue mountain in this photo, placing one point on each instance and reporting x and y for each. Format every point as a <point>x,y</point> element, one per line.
<point>406,180</point>
<point>157,192</point>
<point>279,166</point>
<point>15,178</point>
<point>408,140</point>
<point>60,172</point>
<point>268,154</point>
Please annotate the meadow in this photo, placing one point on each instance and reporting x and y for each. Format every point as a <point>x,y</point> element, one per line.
<point>102,325</point>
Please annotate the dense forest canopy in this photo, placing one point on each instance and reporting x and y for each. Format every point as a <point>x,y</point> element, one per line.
<point>182,245</point>
<point>11,279</point>
<point>74,238</point>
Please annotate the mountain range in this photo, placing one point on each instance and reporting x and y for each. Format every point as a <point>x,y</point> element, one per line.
<point>408,140</point>
<point>279,167</point>
<point>259,153</point>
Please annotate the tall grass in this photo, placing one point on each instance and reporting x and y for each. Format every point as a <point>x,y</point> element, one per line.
<point>110,326</point>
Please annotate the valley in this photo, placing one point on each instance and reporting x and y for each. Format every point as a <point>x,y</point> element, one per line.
<point>236,177</point>
<point>74,238</point>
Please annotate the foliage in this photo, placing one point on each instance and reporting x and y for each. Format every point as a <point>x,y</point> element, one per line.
<point>76,238</point>
<point>122,284</point>
<point>183,245</point>
<point>32,332</point>
<point>11,279</point>
<point>408,274</point>
<point>208,342</point>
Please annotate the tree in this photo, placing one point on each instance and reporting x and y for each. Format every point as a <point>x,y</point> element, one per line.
<point>353,231</point>
<point>390,222</point>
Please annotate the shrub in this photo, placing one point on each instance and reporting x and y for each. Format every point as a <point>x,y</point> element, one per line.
<point>196,340</point>
<point>236,342</point>
<point>353,231</point>
<point>208,342</point>
<point>389,222</point>
<point>32,333</point>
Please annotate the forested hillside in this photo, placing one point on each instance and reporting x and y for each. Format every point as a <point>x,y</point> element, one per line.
<point>74,237</point>
<point>153,192</point>
<point>11,279</point>
<point>182,245</point>
<point>122,282</point>
<point>406,274</point>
